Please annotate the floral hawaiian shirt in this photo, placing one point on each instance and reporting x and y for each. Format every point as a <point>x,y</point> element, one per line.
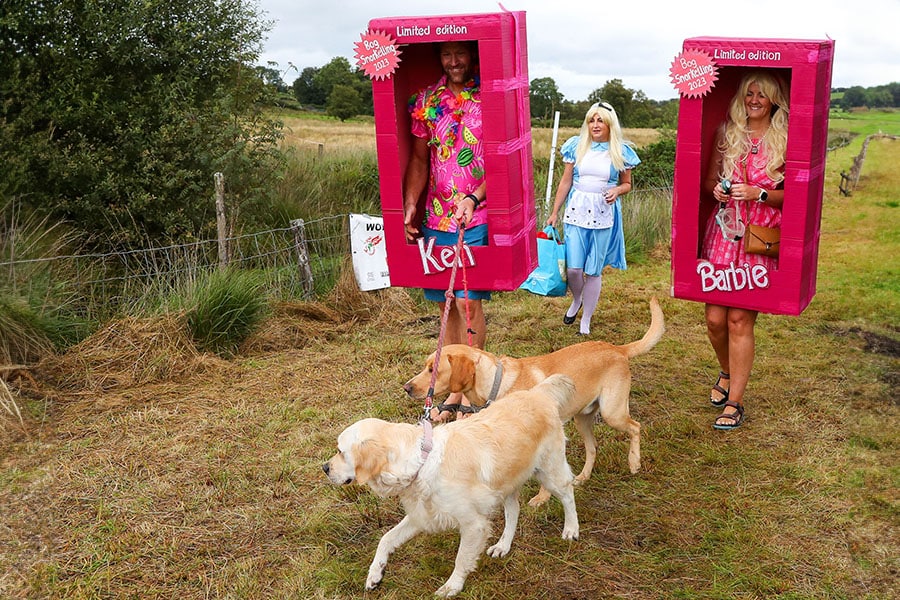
<point>452,125</point>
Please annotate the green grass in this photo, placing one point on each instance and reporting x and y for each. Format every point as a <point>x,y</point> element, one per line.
<point>209,484</point>
<point>225,307</point>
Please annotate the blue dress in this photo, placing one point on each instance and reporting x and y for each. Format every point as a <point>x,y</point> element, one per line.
<point>587,210</point>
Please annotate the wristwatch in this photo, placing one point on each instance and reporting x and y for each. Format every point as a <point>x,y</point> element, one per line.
<point>763,196</point>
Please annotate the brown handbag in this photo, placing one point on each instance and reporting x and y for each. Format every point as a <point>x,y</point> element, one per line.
<point>762,240</point>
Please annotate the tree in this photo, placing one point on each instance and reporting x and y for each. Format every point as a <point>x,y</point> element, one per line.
<point>616,94</point>
<point>272,76</point>
<point>545,98</point>
<point>336,72</point>
<point>116,115</point>
<point>344,102</point>
<point>306,90</point>
<point>853,97</point>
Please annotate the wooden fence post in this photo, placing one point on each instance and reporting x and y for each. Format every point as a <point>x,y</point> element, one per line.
<point>300,246</point>
<point>220,220</point>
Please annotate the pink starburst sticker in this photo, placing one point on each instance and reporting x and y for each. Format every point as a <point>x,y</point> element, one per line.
<point>693,73</point>
<point>377,54</point>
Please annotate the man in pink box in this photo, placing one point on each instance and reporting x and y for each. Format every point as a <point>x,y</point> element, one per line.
<point>447,163</point>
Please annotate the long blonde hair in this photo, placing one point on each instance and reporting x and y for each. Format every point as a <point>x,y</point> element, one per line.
<point>734,145</point>
<point>608,115</point>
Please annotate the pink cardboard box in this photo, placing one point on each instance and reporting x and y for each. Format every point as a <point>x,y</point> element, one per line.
<point>805,65</point>
<point>511,253</point>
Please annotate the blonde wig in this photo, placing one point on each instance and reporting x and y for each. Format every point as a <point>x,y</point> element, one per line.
<point>608,115</point>
<point>734,144</point>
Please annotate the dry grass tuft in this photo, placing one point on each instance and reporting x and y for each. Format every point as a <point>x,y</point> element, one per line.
<point>380,306</point>
<point>128,352</point>
<point>295,324</point>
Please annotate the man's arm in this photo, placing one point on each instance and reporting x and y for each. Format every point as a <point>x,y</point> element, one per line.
<point>414,181</point>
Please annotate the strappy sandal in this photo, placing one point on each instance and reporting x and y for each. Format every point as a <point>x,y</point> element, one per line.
<point>465,410</point>
<point>444,408</point>
<point>718,388</point>
<point>736,417</point>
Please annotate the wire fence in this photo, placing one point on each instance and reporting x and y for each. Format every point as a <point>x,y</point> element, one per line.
<point>299,261</point>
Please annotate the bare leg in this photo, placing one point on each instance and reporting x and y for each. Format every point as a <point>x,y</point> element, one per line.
<point>730,332</point>
<point>741,351</point>
<point>717,332</point>
<point>456,332</point>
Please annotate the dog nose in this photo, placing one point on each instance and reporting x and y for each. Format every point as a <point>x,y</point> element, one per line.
<point>325,468</point>
<point>408,389</point>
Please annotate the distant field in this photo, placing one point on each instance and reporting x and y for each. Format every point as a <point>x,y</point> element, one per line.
<point>865,122</point>
<point>304,132</point>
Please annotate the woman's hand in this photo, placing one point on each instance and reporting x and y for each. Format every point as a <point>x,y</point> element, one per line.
<point>610,194</point>
<point>551,220</point>
<point>741,192</point>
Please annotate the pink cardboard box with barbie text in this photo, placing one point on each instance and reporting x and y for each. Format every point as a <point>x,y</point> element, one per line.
<point>511,252</point>
<point>707,86</point>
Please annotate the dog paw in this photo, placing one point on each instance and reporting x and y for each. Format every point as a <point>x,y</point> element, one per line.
<point>448,590</point>
<point>539,498</point>
<point>498,550</point>
<point>376,574</point>
<point>570,533</point>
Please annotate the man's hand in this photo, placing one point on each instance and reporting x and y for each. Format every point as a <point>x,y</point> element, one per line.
<point>409,223</point>
<point>465,208</point>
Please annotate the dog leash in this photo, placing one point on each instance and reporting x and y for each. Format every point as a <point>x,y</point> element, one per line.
<point>425,421</point>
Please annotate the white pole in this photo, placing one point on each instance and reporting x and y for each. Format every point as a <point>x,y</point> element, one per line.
<point>552,157</point>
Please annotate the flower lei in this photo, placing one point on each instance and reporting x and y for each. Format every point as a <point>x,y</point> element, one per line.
<point>432,110</point>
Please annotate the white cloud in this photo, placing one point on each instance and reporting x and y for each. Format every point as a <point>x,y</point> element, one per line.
<point>582,44</point>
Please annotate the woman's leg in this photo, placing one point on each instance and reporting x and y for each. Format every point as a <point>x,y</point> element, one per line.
<point>591,296</point>
<point>741,351</point>
<point>717,332</point>
<point>575,278</point>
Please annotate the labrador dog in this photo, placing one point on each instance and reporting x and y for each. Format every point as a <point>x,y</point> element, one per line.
<point>474,465</point>
<point>600,371</point>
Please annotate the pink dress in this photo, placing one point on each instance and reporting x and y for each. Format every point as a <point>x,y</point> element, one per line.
<point>722,252</point>
<point>452,125</point>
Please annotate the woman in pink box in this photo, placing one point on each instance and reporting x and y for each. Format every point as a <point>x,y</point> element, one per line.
<point>746,177</point>
<point>447,162</point>
<point>597,173</point>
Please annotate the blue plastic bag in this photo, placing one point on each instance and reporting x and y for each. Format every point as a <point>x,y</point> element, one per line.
<point>549,278</point>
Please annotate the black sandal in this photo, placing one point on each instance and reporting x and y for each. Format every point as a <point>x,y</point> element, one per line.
<point>718,388</point>
<point>736,417</point>
<point>445,408</point>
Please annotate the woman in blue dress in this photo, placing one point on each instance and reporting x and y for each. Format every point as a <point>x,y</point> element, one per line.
<point>597,174</point>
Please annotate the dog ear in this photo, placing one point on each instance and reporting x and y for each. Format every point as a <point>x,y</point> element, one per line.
<point>462,373</point>
<point>371,459</point>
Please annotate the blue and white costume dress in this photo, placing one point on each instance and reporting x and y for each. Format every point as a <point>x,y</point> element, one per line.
<point>593,227</point>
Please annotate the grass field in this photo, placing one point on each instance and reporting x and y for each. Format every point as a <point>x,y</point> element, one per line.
<point>141,468</point>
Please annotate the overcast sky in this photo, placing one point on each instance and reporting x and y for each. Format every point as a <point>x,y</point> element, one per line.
<point>583,44</point>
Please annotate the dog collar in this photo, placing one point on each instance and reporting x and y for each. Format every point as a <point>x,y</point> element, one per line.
<point>498,378</point>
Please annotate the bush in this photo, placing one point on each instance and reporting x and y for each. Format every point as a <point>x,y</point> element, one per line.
<point>22,336</point>
<point>226,308</point>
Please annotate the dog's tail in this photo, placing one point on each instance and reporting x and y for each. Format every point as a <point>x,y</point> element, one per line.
<point>653,335</point>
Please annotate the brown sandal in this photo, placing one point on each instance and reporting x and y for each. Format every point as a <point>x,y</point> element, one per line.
<point>736,417</point>
<point>718,388</point>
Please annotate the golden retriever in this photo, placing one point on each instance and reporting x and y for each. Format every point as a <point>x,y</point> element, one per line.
<point>474,465</point>
<point>600,371</point>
